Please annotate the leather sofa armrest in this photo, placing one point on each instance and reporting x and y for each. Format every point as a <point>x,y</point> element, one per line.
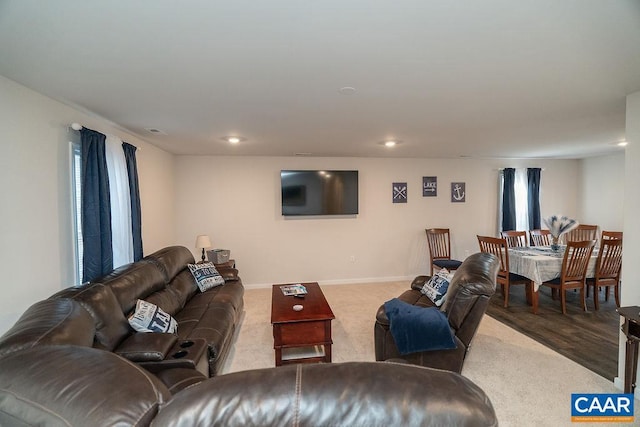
<point>381,316</point>
<point>419,282</point>
<point>229,274</point>
<point>190,353</point>
<point>146,346</point>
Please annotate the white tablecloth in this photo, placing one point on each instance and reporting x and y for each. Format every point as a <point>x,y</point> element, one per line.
<point>541,264</point>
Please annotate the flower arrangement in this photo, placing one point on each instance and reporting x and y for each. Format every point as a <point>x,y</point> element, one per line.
<point>558,225</point>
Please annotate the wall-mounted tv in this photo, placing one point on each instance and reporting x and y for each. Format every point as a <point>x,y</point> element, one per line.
<point>319,192</point>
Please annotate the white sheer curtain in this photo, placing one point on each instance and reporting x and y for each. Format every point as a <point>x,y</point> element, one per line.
<point>122,238</point>
<point>522,204</point>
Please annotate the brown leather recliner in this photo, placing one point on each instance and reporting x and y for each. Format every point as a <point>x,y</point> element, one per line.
<point>467,299</point>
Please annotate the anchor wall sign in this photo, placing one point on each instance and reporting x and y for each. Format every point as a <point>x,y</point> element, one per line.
<point>429,186</point>
<point>458,192</point>
<point>399,192</point>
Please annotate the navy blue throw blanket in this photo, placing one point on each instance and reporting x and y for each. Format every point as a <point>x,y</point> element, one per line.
<point>418,328</point>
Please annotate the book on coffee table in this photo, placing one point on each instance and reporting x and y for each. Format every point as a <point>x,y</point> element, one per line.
<point>296,289</point>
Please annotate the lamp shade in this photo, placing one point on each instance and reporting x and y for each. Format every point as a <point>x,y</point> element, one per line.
<point>203,241</point>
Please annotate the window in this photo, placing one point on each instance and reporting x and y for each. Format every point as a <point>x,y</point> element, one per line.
<point>107,192</point>
<point>519,199</point>
<point>76,177</point>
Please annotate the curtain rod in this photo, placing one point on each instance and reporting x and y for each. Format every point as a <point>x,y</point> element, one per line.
<point>501,169</point>
<point>77,126</point>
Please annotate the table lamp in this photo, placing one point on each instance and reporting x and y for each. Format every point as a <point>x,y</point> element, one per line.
<point>202,242</point>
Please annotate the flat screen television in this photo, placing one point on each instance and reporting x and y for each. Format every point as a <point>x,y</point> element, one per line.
<point>319,192</point>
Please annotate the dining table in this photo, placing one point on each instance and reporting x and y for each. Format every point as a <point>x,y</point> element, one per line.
<point>541,264</point>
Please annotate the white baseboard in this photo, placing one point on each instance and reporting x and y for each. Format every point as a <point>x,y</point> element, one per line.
<point>342,281</point>
<point>619,383</point>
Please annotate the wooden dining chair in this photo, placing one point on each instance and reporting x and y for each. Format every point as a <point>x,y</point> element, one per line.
<point>581,233</point>
<point>574,271</point>
<point>439,241</point>
<point>608,267</point>
<point>540,237</point>
<point>611,235</point>
<point>515,239</point>
<point>500,249</point>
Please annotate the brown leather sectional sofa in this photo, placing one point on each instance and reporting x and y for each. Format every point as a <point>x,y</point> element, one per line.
<point>71,360</point>
<point>95,315</point>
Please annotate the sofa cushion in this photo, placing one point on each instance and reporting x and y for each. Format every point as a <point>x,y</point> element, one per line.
<point>167,300</point>
<point>206,275</point>
<point>149,317</point>
<point>183,286</point>
<point>110,323</point>
<point>213,322</point>
<point>231,293</point>
<point>171,260</point>
<point>475,278</point>
<point>132,282</point>
<point>51,321</point>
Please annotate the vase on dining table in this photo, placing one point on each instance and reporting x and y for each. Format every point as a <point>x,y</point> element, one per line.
<point>558,225</point>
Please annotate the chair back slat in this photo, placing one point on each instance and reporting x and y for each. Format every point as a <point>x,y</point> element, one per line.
<point>576,260</point>
<point>609,261</point>
<point>499,248</point>
<point>439,242</point>
<point>582,233</point>
<point>540,237</point>
<point>515,239</point>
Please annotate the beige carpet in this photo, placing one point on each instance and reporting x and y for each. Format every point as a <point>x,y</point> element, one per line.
<point>528,384</point>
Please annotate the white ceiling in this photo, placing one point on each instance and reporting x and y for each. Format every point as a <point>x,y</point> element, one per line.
<point>490,78</point>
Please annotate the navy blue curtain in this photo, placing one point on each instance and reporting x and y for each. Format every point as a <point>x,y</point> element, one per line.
<point>134,191</point>
<point>533,197</point>
<point>96,207</point>
<point>509,200</point>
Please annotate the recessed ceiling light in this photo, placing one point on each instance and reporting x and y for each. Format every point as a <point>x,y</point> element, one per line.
<point>233,139</point>
<point>156,131</point>
<point>622,144</point>
<point>347,90</point>
<point>389,143</point>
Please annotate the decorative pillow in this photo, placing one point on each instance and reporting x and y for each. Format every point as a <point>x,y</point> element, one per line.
<point>437,286</point>
<point>149,317</point>
<point>206,275</point>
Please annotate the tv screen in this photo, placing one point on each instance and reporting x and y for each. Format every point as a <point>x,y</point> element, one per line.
<point>319,192</point>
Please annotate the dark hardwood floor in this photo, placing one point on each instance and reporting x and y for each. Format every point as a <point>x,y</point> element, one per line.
<point>589,338</point>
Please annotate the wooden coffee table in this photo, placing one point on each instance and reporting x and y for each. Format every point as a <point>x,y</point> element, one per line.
<point>307,329</point>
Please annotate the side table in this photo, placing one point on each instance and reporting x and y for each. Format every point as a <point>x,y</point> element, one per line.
<point>229,264</point>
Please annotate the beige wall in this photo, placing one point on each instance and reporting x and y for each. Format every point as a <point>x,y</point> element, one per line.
<point>630,291</point>
<point>35,207</point>
<point>602,191</point>
<point>236,200</point>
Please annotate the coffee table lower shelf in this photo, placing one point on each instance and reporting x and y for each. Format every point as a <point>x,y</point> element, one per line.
<point>310,354</point>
